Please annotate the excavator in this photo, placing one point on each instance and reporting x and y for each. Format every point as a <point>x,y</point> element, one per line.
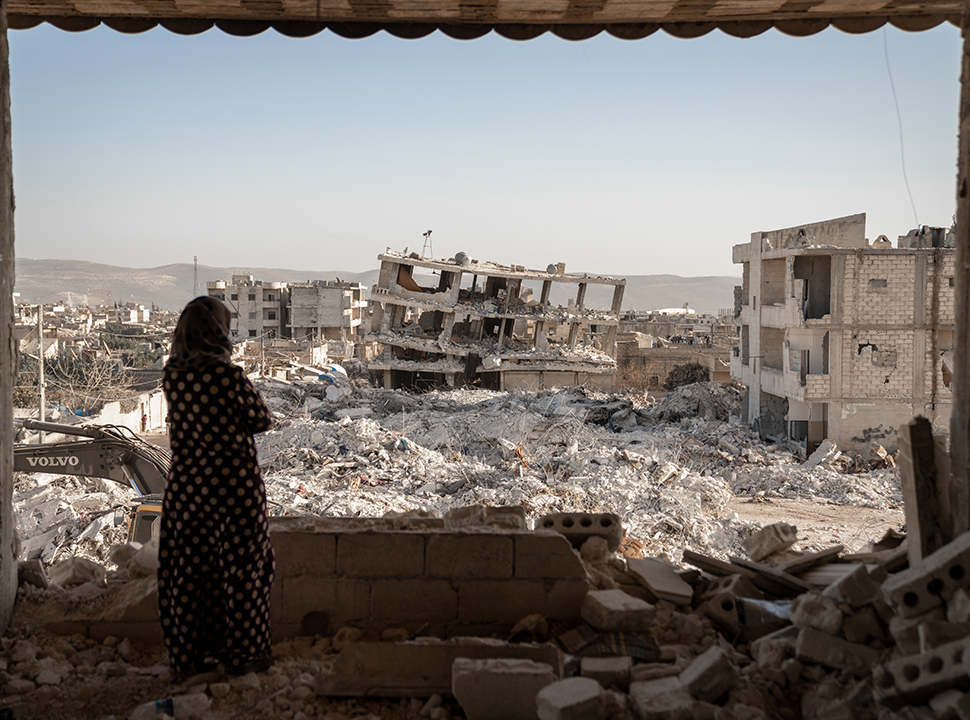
<point>106,451</point>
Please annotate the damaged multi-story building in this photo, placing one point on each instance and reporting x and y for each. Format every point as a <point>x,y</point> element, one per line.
<point>315,310</point>
<point>841,339</point>
<point>481,322</point>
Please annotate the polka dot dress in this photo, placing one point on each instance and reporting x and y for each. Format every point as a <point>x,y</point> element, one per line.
<point>215,558</point>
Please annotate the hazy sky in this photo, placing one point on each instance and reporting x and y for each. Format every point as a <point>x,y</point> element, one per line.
<point>615,157</point>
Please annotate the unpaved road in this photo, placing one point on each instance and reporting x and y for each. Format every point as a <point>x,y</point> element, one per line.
<point>821,525</point>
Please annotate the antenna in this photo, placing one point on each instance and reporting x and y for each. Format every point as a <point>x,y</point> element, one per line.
<point>426,251</point>
<point>195,277</point>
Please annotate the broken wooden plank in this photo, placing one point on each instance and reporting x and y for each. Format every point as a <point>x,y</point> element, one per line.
<point>791,584</point>
<point>810,560</point>
<point>923,490</point>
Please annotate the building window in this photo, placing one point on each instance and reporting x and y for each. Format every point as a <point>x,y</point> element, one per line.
<point>951,281</point>
<point>252,297</point>
<point>272,315</point>
<point>252,333</point>
<point>270,298</point>
<point>234,296</point>
<point>233,315</point>
<point>876,283</point>
<point>252,316</point>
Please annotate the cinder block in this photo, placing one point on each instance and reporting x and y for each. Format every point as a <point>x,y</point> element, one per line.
<point>905,631</point>
<point>858,588</point>
<point>932,581</point>
<point>608,671</point>
<point>499,689</point>
<point>737,585</point>
<point>917,678</point>
<point>863,626</point>
<point>344,601</point>
<point>662,699</point>
<point>304,553</point>
<point>814,646</point>
<point>769,540</point>
<point>418,599</point>
<point>710,675</point>
<point>575,698</point>
<point>478,556</point>
<point>615,611</point>
<point>545,554</point>
<point>577,527</point>
<point>934,634</point>
<point>380,555</point>
<point>812,610</point>
<point>506,601</point>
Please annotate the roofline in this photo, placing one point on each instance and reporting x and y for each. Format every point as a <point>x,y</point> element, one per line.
<point>743,27</point>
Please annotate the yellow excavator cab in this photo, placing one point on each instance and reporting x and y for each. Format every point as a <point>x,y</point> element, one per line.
<point>144,518</point>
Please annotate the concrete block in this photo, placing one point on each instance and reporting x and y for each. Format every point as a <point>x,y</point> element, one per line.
<point>864,626</point>
<point>608,671</point>
<point>414,600</point>
<point>564,598</point>
<point>932,581</point>
<point>737,585</point>
<point>661,699</point>
<point>905,630</point>
<point>951,705</point>
<point>769,540</point>
<point>813,610</point>
<point>615,611</point>
<point>344,601</point>
<point>934,634</point>
<point>506,601</point>
<point>710,675</point>
<point>575,698</point>
<point>816,647</point>
<point>421,667</point>
<point>304,553</point>
<point>722,610</point>
<point>32,572</point>
<point>500,688</point>
<point>546,554</point>
<point>380,555</point>
<point>916,678</point>
<point>577,527</point>
<point>958,607</point>
<point>858,588</point>
<point>477,556</point>
<point>661,579</point>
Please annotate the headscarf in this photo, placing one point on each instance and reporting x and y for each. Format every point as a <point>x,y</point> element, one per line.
<point>201,336</point>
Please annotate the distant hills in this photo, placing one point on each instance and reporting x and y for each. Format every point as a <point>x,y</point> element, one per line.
<point>171,286</point>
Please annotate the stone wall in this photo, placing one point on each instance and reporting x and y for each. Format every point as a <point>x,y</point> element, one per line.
<point>377,574</point>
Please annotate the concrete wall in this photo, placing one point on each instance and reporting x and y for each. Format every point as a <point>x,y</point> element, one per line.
<point>347,571</point>
<point>151,404</point>
<point>376,574</point>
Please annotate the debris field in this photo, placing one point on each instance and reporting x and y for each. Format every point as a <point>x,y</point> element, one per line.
<point>691,613</point>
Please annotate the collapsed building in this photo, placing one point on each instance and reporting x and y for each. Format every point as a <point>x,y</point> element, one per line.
<point>482,323</point>
<point>842,339</point>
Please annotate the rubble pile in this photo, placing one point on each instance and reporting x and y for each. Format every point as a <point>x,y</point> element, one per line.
<point>341,450</point>
<point>779,634</point>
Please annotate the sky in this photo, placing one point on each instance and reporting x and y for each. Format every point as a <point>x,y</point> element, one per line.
<point>615,157</point>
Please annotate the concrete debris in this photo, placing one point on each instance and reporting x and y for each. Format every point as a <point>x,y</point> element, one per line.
<point>674,625</point>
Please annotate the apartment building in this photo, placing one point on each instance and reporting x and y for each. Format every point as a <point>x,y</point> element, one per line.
<point>258,308</point>
<point>324,310</point>
<point>480,322</point>
<point>843,339</point>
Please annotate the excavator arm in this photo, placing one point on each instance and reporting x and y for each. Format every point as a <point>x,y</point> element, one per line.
<point>107,451</point>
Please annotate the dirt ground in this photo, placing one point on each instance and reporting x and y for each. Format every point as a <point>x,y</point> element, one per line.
<point>820,525</point>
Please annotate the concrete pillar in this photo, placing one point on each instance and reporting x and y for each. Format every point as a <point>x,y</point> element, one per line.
<point>960,417</point>
<point>8,355</point>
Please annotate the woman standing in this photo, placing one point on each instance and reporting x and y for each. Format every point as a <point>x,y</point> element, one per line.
<point>215,558</point>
